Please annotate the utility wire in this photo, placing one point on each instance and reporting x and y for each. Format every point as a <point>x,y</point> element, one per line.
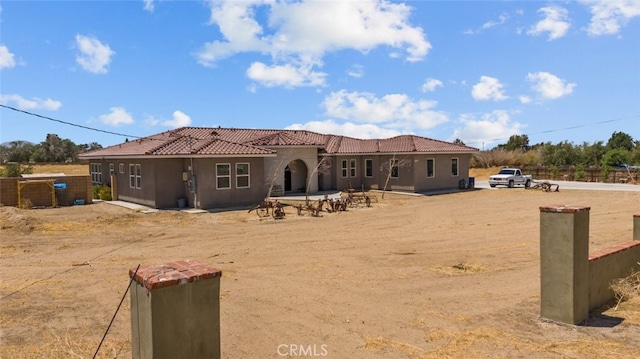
<point>69,123</point>
<point>561,129</point>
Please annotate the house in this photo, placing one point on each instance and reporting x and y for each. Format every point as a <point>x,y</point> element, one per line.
<point>223,167</point>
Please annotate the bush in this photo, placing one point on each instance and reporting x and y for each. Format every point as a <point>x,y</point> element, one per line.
<point>14,169</point>
<point>102,192</point>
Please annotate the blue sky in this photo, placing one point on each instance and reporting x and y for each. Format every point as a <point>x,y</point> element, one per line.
<point>479,71</point>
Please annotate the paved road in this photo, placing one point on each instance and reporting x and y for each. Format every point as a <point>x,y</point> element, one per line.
<point>592,186</point>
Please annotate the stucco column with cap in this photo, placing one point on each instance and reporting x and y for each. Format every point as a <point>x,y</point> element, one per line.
<point>564,263</point>
<point>175,311</point>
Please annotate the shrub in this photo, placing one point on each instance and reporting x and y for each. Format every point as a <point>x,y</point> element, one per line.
<point>14,169</point>
<point>102,192</point>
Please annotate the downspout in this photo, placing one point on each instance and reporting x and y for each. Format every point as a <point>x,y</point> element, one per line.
<point>194,185</point>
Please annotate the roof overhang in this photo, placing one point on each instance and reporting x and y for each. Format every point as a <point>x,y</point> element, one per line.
<point>159,157</point>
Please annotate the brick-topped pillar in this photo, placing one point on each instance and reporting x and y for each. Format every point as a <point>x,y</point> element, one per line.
<point>564,263</point>
<point>175,311</point>
<point>636,227</point>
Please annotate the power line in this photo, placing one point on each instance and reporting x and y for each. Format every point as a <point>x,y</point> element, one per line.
<point>69,123</point>
<point>560,129</point>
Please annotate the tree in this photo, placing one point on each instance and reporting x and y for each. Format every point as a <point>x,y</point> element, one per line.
<point>621,140</point>
<point>17,151</point>
<point>517,143</point>
<point>458,141</point>
<point>392,168</point>
<point>324,167</point>
<point>616,157</point>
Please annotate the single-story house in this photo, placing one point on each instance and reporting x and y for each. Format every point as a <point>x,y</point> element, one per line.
<point>223,167</point>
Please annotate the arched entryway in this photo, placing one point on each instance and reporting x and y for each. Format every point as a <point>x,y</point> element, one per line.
<point>295,176</point>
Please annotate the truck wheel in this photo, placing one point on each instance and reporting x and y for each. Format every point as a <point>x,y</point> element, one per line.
<point>492,185</point>
<point>527,184</point>
<point>510,183</point>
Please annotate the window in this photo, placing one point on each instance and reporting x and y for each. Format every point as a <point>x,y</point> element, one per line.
<point>352,168</point>
<point>96,172</point>
<point>223,175</point>
<point>344,168</point>
<point>121,168</point>
<point>242,175</point>
<point>368,168</point>
<point>112,169</point>
<point>135,176</point>
<point>454,167</point>
<point>394,168</point>
<point>431,167</point>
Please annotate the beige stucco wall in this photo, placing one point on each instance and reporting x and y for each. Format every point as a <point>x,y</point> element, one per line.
<point>606,268</point>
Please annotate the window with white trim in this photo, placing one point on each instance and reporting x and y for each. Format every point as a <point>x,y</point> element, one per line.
<point>135,175</point>
<point>368,167</point>
<point>112,168</point>
<point>242,175</point>
<point>96,172</point>
<point>344,168</point>
<point>454,167</point>
<point>223,176</point>
<point>431,167</point>
<point>121,167</point>
<point>352,167</point>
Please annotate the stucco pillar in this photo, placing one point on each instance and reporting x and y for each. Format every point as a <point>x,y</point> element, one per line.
<point>175,311</point>
<point>564,263</point>
<point>636,227</point>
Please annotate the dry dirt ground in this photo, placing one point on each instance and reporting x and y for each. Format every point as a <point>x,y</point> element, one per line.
<point>447,276</point>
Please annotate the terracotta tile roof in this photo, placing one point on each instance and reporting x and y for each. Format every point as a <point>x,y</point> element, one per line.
<point>206,141</point>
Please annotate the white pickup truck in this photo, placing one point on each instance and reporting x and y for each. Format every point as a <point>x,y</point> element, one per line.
<point>510,177</point>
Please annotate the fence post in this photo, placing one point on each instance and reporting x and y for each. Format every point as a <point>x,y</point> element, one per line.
<point>564,263</point>
<point>636,227</point>
<point>175,311</point>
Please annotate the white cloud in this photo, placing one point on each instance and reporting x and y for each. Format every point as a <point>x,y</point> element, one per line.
<point>180,119</point>
<point>501,20</point>
<point>356,71</point>
<point>525,99</point>
<point>94,56</point>
<point>486,129</point>
<point>391,111</point>
<point>489,88</point>
<point>303,32</point>
<point>608,16</point>
<point>148,5</point>
<point>117,116</point>
<point>286,75</point>
<point>430,85</point>
<point>555,22</point>
<point>364,131</point>
<point>6,58</point>
<point>33,104</point>
<point>549,86</point>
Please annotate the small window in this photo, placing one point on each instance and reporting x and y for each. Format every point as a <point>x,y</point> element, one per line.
<point>96,172</point>
<point>454,167</point>
<point>223,176</point>
<point>394,168</point>
<point>242,175</point>
<point>368,168</point>
<point>344,168</point>
<point>431,167</point>
<point>112,168</point>
<point>121,168</point>
<point>352,168</point>
<point>135,176</point>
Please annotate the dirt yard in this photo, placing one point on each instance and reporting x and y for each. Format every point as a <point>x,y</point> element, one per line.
<point>445,276</point>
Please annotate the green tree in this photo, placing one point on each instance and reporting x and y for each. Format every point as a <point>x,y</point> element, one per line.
<point>458,141</point>
<point>517,143</point>
<point>616,157</point>
<point>17,151</point>
<point>621,140</point>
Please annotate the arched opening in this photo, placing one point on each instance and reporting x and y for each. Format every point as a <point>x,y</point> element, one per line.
<point>295,176</point>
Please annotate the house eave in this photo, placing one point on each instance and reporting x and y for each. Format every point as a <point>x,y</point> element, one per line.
<point>145,157</point>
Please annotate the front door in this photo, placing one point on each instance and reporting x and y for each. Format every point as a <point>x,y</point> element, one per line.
<point>287,179</point>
